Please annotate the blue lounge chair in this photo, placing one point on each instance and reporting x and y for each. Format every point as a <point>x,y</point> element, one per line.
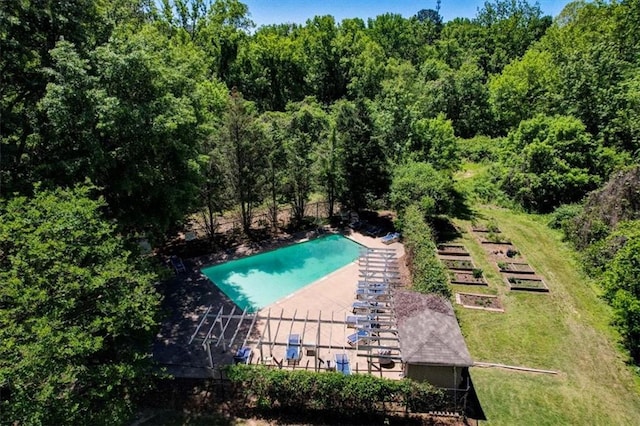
<point>294,346</point>
<point>391,238</point>
<point>177,264</point>
<point>243,355</point>
<point>355,321</point>
<point>361,336</point>
<point>342,364</point>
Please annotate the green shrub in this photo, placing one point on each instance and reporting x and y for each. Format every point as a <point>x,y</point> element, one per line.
<point>479,148</point>
<point>350,395</point>
<point>563,215</point>
<point>428,274</point>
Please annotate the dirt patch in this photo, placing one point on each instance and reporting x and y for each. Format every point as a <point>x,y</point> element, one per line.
<point>503,252</point>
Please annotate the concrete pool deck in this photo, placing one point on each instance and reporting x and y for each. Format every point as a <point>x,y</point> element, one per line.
<point>188,297</point>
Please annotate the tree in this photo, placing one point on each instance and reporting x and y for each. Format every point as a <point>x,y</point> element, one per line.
<point>511,26</point>
<point>29,30</point>
<point>274,129</point>
<point>270,67</point>
<point>400,102</point>
<point>361,58</point>
<point>551,161</point>
<point>525,88</point>
<point>128,118</point>
<point>421,184</point>
<point>324,73</point>
<point>328,170</point>
<point>308,128</point>
<point>78,312</point>
<point>435,143</point>
<point>622,290</point>
<point>364,162</point>
<point>243,149</point>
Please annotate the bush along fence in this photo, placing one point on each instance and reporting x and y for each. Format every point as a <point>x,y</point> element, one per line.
<point>352,395</point>
<point>428,273</point>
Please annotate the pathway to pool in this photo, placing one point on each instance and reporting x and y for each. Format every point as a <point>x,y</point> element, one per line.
<point>331,296</point>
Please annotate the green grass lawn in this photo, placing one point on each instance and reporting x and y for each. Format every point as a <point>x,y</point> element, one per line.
<point>567,330</point>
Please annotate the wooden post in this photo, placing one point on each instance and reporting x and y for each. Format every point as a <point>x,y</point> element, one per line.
<point>209,353</point>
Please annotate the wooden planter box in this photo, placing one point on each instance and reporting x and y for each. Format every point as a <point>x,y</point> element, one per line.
<point>482,227</point>
<point>452,250</point>
<point>515,268</point>
<point>458,264</point>
<point>486,302</point>
<point>460,277</point>
<point>526,283</point>
<point>494,239</point>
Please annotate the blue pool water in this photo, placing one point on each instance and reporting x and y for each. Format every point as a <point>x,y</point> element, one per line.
<point>256,281</point>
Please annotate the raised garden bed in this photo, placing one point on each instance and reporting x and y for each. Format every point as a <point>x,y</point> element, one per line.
<point>500,252</point>
<point>485,302</point>
<point>515,268</point>
<point>469,278</point>
<point>493,238</point>
<point>460,264</point>
<point>526,283</point>
<point>452,250</point>
<point>481,227</point>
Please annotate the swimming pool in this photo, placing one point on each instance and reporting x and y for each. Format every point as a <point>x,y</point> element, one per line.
<point>256,281</point>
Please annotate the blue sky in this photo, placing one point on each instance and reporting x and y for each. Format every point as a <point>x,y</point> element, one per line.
<point>264,12</point>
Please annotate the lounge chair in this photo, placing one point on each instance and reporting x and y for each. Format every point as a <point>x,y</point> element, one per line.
<point>342,364</point>
<point>294,346</point>
<point>373,231</point>
<point>243,355</point>
<point>177,264</point>
<point>356,321</point>
<point>379,294</point>
<point>361,336</point>
<point>391,237</point>
<point>362,321</point>
<point>364,306</point>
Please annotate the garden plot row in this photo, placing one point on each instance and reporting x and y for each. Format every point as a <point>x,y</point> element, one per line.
<point>516,272</point>
<point>461,268</point>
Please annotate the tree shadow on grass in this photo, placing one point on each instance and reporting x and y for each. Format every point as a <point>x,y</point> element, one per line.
<point>461,208</point>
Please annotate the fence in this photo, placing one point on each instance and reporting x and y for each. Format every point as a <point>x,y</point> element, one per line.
<point>262,219</point>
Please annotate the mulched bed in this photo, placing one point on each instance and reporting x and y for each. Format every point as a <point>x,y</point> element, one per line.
<point>457,277</point>
<point>480,301</point>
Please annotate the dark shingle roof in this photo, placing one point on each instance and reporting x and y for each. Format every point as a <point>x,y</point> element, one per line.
<point>428,331</point>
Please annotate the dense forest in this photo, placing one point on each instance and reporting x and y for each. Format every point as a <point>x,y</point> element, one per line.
<point>122,119</point>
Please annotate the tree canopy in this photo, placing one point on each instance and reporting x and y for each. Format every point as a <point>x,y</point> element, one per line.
<point>78,311</point>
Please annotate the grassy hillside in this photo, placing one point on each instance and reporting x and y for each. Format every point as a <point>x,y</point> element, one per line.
<point>567,330</point>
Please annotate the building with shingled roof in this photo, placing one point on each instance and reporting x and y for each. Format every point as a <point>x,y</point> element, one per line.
<point>431,343</point>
